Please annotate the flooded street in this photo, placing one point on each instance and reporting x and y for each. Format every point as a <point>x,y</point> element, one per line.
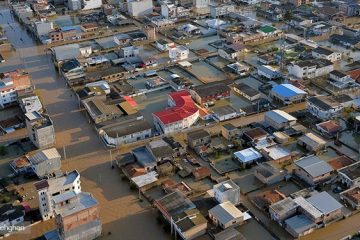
<point>121,212</point>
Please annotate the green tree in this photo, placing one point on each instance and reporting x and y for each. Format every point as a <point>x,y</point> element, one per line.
<point>288,15</point>
<point>3,151</point>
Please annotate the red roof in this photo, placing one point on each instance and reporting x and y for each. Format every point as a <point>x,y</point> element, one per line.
<point>184,107</point>
<point>130,100</point>
<point>355,74</point>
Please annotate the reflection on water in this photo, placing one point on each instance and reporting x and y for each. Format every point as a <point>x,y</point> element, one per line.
<point>206,73</point>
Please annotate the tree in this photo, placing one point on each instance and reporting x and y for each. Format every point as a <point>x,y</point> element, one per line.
<point>288,15</point>
<point>3,151</point>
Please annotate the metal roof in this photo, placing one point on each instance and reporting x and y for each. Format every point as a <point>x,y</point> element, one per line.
<point>247,155</point>
<point>44,155</point>
<point>308,207</point>
<point>324,202</point>
<point>287,90</point>
<point>226,212</point>
<point>314,166</point>
<point>299,223</point>
<point>279,116</point>
<point>145,179</point>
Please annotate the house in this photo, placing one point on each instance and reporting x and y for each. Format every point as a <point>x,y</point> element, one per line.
<point>307,209</point>
<point>287,94</point>
<point>282,210</point>
<point>229,131</point>
<point>181,113</point>
<point>227,191</point>
<point>324,53</point>
<point>100,110</point>
<point>160,150</point>
<point>139,8</point>
<point>299,225</point>
<point>350,175</point>
<point>341,162</point>
<point>76,216</point>
<point>279,119</point>
<point>30,104</point>
<point>201,173</point>
<point>226,215</point>
<point>11,85</point>
<point>224,113</point>
<point>345,41</point>
<point>357,123</point>
<point>164,44</point>
<point>228,53</point>
<point>269,72</point>
<point>276,153</point>
<point>45,162</point>
<point>310,68</point>
<point>11,215</point>
<point>312,142</point>
<point>330,208</point>
<point>198,138</point>
<point>255,134</point>
<point>229,234</point>
<point>300,2</point>
<point>329,128</point>
<point>247,92</point>
<point>269,174</point>
<point>210,92</point>
<point>239,68</point>
<point>144,157</point>
<point>264,200</point>
<point>178,53</point>
<point>324,107</point>
<point>54,186</point>
<point>40,129</point>
<point>247,156</point>
<point>127,131</point>
<point>351,197</point>
<point>182,214</point>
<point>312,170</point>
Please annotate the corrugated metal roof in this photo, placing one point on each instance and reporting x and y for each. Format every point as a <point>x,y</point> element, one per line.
<point>324,202</point>
<point>44,155</point>
<point>314,166</point>
<point>226,212</point>
<point>287,90</point>
<point>280,116</point>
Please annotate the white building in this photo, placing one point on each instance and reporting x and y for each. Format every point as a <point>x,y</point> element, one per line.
<point>310,68</point>
<point>140,8</point>
<point>279,119</point>
<point>48,188</point>
<point>164,44</point>
<point>129,51</point>
<point>226,215</point>
<point>74,5</point>
<point>221,10</point>
<point>10,84</point>
<point>250,2</point>
<point>40,129</point>
<point>227,191</point>
<point>201,3</point>
<point>91,4</point>
<point>247,156</point>
<point>268,72</point>
<point>178,53</point>
<point>45,162</point>
<point>341,80</point>
<point>324,53</point>
<point>30,104</point>
<point>324,107</point>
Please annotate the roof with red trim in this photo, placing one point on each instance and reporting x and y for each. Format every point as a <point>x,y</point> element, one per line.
<point>130,100</point>
<point>184,107</point>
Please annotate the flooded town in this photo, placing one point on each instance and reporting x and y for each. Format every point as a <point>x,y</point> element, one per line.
<point>192,120</point>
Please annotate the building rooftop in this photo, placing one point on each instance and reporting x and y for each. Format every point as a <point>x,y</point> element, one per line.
<point>211,89</point>
<point>256,133</point>
<point>226,212</point>
<point>44,155</point>
<point>229,127</point>
<point>145,179</point>
<point>323,51</point>
<point>324,202</point>
<point>184,108</point>
<point>276,152</point>
<point>264,199</point>
<point>143,156</point>
<point>280,116</point>
<point>329,126</point>
<point>324,102</point>
<point>31,104</point>
<point>351,171</point>
<point>319,63</point>
<point>287,90</point>
<point>299,223</point>
<point>84,201</point>
<point>226,186</point>
<point>314,166</point>
<point>308,207</point>
<point>248,155</point>
<point>124,128</point>
<point>312,140</point>
<point>175,204</point>
<point>229,234</point>
<point>283,206</point>
<point>224,110</point>
<point>198,134</point>
<point>57,182</point>
<point>353,194</point>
